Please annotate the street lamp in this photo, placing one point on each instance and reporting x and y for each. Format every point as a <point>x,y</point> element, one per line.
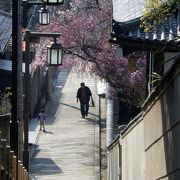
<point>43,16</point>
<point>53,2</point>
<point>55,53</point>
<point>43,12</point>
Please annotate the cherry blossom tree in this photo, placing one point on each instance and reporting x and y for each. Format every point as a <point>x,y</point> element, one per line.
<point>85,27</point>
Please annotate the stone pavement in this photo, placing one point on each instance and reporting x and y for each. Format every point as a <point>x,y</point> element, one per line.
<point>69,149</point>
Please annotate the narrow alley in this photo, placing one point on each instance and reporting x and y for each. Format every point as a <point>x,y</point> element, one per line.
<point>68,149</point>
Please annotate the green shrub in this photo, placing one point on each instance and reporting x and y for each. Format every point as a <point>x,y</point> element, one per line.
<point>5,102</point>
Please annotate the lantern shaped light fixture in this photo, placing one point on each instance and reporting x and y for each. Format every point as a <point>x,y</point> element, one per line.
<point>43,16</point>
<point>55,54</point>
<point>53,2</point>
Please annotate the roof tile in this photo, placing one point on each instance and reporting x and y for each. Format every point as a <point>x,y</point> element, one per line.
<point>5,29</point>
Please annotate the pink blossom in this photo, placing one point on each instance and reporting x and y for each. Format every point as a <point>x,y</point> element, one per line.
<point>85,32</point>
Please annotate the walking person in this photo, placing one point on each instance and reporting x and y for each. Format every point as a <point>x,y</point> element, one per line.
<point>42,117</point>
<point>83,95</point>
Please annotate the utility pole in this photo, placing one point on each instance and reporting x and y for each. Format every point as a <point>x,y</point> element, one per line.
<point>14,121</point>
<point>16,133</point>
<point>26,104</point>
<point>16,63</point>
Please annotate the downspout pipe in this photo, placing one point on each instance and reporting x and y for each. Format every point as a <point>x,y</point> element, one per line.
<point>110,110</point>
<point>109,121</point>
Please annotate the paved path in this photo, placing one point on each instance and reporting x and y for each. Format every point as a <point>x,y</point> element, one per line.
<point>69,148</point>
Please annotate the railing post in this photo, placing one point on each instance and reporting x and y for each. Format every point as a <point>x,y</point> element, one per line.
<point>15,168</point>
<point>11,165</point>
<point>21,171</point>
<point>18,170</point>
<point>3,165</point>
<point>0,157</point>
<point>26,175</point>
<point>7,162</point>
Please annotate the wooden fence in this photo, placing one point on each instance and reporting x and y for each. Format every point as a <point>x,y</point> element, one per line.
<point>10,168</point>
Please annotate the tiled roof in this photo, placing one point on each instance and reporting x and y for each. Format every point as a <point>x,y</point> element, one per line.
<point>167,34</point>
<point>5,29</point>
<point>126,10</point>
<point>6,5</point>
<point>5,65</point>
<point>168,31</point>
<point>126,26</point>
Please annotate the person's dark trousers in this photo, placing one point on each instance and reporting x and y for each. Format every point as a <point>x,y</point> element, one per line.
<point>84,108</point>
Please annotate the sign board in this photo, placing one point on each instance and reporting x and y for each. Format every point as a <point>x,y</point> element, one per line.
<point>101,87</point>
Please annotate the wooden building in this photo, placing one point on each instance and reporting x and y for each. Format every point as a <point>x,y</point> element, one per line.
<point>5,49</point>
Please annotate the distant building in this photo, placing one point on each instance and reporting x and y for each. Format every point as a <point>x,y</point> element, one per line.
<point>6,5</point>
<point>5,49</point>
<point>163,40</point>
<point>160,44</point>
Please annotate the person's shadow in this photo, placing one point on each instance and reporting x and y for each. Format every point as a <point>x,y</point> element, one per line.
<point>48,132</point>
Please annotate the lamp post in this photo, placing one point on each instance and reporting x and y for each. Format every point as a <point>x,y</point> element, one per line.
<point>53,56</point>
<point>53,2</point>
<point>43,12</point>
<point>15,64</point>
<point>43,16</point>
<point>43,20</point>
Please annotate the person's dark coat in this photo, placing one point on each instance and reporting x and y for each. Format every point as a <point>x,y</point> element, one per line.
<point>87,92</point>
